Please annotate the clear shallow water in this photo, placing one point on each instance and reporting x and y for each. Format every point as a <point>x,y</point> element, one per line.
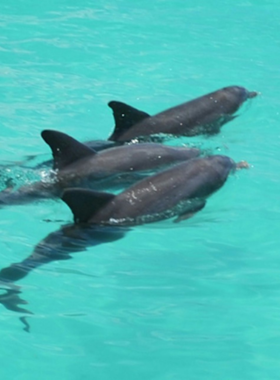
<point>198,299</point>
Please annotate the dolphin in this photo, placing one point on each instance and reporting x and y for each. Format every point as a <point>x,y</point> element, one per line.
<point>75,164</point>
<point>204,115</point>
<point>177,192</point>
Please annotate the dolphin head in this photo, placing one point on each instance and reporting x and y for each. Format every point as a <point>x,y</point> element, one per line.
<point>224,165</point>
<point>241,93</point>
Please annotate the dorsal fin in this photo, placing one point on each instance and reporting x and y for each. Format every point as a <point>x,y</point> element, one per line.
<point>85,203</point>
<point>125,117</point>
<point>65,149</point>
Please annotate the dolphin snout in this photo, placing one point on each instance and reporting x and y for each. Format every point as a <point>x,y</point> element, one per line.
<point>252,94</point>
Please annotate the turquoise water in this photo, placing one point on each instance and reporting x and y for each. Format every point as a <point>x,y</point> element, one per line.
<point>196,300</point>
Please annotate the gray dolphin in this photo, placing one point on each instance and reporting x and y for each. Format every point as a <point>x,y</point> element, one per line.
<point>177,192</point>
<point>203,115</point>
<point>75,164</point>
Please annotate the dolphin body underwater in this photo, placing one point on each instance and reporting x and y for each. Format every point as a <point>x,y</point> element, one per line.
<point>177,192</point>
<point>204,115</point>
<point>75,164</point>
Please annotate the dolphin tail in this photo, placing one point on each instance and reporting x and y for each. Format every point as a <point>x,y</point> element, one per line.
<point>11,301</point>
